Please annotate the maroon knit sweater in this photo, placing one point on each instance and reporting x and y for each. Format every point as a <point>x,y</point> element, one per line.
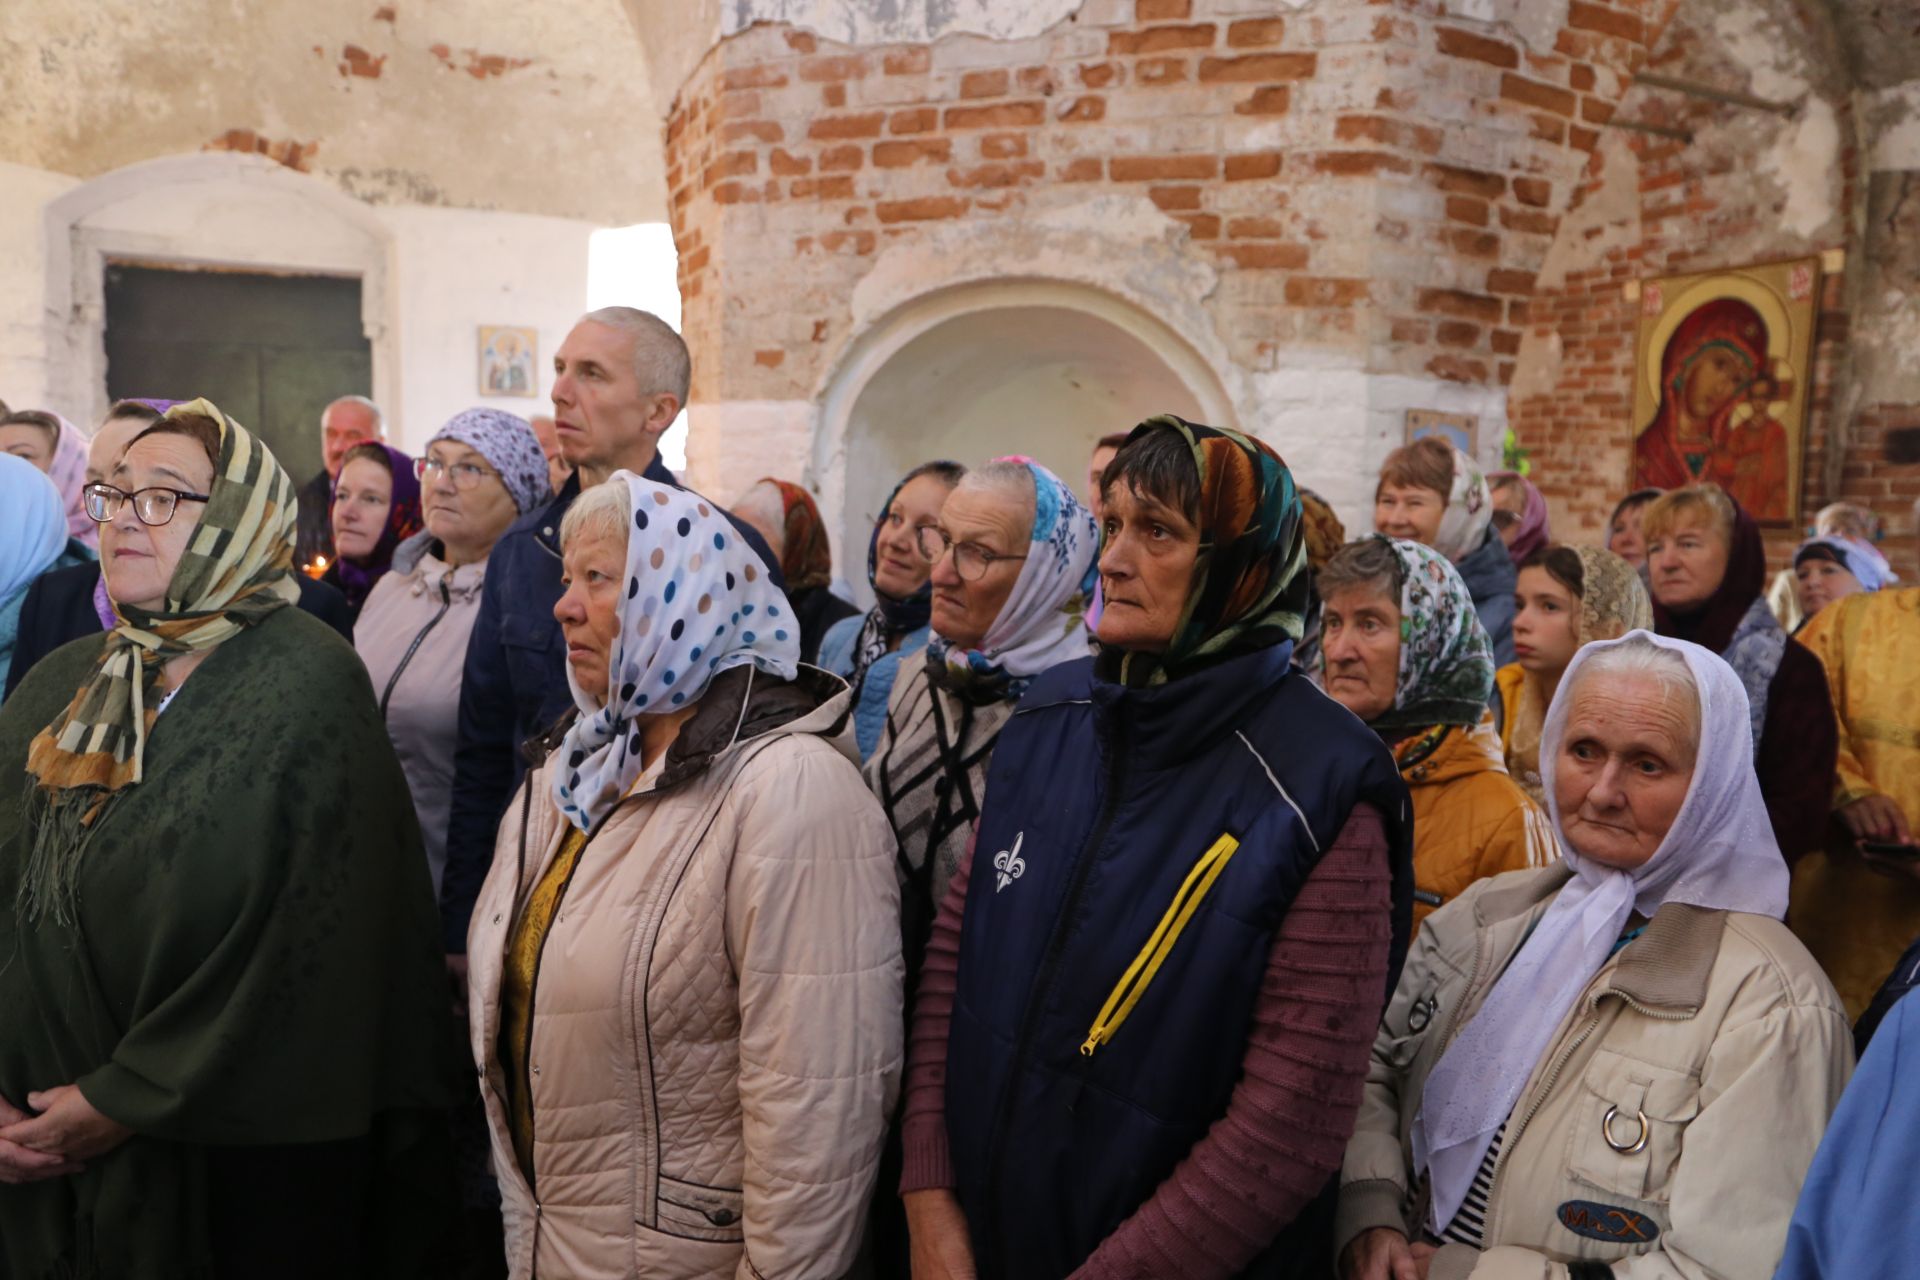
<point>1288,1119</point>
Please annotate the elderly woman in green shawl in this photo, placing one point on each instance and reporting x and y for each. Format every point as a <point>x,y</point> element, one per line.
<point>222,1035</point>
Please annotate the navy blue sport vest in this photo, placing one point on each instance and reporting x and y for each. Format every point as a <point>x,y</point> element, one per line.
<point>1137,853</point>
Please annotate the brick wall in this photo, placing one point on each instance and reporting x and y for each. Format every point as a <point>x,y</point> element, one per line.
<point>1655,206</point>
<point>1374,185</point>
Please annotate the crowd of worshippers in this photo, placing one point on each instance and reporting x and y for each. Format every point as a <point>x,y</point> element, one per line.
<point>1154,882</point>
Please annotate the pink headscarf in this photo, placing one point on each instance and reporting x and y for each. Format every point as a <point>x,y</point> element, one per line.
<point>69,476</point>
<point>1533,533</point>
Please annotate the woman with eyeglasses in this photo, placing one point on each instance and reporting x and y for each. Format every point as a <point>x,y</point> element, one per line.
<point>1010,558</point>
<point>480,473</point>
<point>1011,563</point>
<point>868,651</point>
<point>225,1046</point>
<point>66,603</point>
<point>376,507</point>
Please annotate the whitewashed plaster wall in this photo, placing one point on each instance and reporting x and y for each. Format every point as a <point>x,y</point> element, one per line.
<point>430,276</point>
<point>25,372</point>
<point>457,269</point>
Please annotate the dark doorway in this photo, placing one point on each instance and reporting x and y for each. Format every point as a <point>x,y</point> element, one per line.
<point>271,350</point>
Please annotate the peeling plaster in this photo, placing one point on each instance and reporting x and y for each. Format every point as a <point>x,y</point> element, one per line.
<point>866,22</point>
<point>479,103</point>
<point>1893,121</point>
<point>1538,23</point>
<point>1082,243</point>
<point>1807,168</point>
<point>1776,68</point>
<point>1606,221</point>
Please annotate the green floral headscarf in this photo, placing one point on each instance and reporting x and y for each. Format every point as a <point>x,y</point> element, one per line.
<point>1249,586</point>
<point>1446,660</point>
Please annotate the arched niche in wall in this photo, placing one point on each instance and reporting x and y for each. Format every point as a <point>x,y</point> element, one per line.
<point>209,210</point>
<point>975,371</point>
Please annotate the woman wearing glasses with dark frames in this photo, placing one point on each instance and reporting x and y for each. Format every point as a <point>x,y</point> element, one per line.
<point>224,1041</point>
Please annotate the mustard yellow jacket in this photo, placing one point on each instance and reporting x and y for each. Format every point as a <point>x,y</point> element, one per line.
<point>1856,920</point>
<point>1470,819</point>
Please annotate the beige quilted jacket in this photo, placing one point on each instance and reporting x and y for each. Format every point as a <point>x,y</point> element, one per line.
<point>716,1040</point>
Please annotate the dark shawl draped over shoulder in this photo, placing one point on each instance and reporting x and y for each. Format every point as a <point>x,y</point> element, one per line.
<point>248,959</point>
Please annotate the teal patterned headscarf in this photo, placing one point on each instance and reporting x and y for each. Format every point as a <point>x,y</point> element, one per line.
<point>1446,660</point>
<point>1249,587</point>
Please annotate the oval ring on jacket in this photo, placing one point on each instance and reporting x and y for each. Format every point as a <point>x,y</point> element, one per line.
<point>1625,1148</point>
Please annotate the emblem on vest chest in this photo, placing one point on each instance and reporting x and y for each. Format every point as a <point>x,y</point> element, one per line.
<point>1008,865</point>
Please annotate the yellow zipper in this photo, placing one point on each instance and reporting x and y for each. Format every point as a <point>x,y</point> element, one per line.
<point>1140,974</point>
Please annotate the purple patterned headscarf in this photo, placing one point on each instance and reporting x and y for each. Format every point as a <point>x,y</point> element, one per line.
<point>508,443</point>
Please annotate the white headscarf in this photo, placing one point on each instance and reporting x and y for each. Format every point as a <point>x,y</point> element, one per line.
<point>1043,622</point>
<point>1469,513</point>
<point>696,602</point>
<point>1719,853</point>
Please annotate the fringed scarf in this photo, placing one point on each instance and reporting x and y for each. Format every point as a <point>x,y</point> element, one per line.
<point>234,573</point>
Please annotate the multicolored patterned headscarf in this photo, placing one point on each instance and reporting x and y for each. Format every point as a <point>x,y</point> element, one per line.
<point>697,602</point>
<point>234,573</point>
<point>1463,525</point>
<point>1446,660</point>
<point>1044,621</point>
<point>1250,586</point>
<point>806,560</point>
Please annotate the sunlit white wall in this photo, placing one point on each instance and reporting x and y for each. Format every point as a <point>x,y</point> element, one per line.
<point>637,267</point>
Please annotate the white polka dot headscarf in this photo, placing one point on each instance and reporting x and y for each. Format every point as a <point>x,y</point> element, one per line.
<point>696,602</point>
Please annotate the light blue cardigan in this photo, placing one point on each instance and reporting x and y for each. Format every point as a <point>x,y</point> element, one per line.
<point>870,712</point>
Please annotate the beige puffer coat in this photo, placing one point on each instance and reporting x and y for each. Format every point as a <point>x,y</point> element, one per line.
<point>1717,1027</point>
<point>716,1039</point>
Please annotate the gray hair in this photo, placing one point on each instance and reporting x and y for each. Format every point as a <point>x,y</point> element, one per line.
<point>660,358</point>
<point>1369,563</point>
<point>599,512</point>
<point>1638,655</point>
<point>1011,480</point>
<point>371,409</point>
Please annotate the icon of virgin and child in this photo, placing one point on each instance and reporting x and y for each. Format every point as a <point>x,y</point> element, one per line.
<point>1715,418</point>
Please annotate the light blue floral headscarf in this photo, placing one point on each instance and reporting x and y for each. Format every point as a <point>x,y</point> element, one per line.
<point>1044,621</point>
<point>696,602</point>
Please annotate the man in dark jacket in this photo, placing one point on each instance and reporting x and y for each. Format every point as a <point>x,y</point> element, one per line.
<point>620,379</point>
<point>343,424</point>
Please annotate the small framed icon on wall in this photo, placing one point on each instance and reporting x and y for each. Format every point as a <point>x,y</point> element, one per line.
<point>508,360</point>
